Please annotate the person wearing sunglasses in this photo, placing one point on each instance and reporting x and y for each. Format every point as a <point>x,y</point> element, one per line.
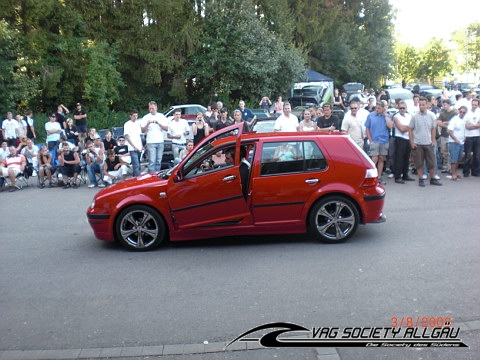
<point>402,144</point>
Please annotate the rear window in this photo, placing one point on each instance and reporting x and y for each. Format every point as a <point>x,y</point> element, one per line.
<point>290,157</point>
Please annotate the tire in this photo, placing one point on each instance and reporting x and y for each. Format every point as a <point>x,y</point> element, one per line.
<point>140,228</point>
<point>334,219</point>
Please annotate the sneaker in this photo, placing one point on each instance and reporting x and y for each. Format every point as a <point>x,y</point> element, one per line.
<point>390,176</point>
<point>448,176</point>
<point>91,186</point>
<point>424,177</point>
<point>67,186</point>
<point>101,185</point>
<point>399,181</point>
<point>41,186</point>
<point>421,182</point>
<point>12,189</point>
<point>74,185</point>
<point>435,182</point>
<point>408,179</point>
<point>436,177</point>
<point>50,185</point>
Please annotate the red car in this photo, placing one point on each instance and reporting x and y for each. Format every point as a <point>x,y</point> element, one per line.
<point>271,183</point>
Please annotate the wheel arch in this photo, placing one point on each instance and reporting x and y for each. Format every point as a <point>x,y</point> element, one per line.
<point>335,193</point>
<point>119,210</point>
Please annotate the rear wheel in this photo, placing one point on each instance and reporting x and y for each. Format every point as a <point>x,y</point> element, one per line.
<point>140,228</point>
<point>334,219</point>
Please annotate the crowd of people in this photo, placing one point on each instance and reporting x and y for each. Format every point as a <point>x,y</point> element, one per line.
<point>426,138</point>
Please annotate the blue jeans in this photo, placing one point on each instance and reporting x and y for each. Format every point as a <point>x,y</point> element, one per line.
<point>155,154</point>
<point>92,169</point>
<point>135,156</point>
<point>176,148</point>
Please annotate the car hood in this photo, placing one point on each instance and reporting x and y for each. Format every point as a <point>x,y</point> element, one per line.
<point>133,185</point>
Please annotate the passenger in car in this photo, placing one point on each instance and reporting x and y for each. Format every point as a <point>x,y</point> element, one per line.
<point>284,152</point>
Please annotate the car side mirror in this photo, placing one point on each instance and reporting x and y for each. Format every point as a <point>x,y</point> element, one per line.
<point>178,176</point>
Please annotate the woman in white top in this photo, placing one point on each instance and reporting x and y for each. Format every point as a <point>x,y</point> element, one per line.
<point>307,124</point>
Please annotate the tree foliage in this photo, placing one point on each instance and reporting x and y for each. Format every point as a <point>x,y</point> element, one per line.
<point>240,58</point>
<point>115,54</point>
<point>468,41</point>
<point>407,62</point>
<point>434,61</point>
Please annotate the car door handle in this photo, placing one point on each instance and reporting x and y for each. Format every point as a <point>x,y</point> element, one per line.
<point>229,178</point>
<point>312,181</point>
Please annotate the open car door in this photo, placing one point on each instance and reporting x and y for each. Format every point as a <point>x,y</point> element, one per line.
<point>213,197</point>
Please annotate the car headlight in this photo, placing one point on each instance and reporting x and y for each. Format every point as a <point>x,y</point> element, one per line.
<point>92,205</point>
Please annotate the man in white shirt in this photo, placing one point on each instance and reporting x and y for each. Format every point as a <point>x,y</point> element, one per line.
<point>153,123</point>
<point>177,130</point>
<point>10,130</point>
<point>401,120</point>
<point>352,124</point>
<point>472,141</point>
<point>132,131</point>
<point>287,122</point>
<point>456,140</point>
<point>31,153</point>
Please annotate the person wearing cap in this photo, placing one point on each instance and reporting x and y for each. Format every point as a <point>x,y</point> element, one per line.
<point>54,131</point>
<point>378,126</point>
<point>10,130</point>
<point>80,117</point>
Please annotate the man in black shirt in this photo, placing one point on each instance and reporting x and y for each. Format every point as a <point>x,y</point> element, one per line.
<point>328,122</point>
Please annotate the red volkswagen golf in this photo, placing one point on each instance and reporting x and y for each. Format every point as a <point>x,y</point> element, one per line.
<point>270,183</point>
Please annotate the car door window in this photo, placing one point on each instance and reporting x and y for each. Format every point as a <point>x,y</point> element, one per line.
<point>287,157</point>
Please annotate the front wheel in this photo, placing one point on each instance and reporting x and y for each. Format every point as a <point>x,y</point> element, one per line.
<point>334,219</point>
<point>140,228</point>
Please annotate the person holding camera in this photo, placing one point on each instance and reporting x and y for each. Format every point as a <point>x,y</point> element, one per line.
<point>94,159</point>
<point>200,129</point>
<point>153,124</point>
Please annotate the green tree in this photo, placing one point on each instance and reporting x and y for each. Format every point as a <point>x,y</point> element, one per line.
<point>240,58</point>
<point>435,61</point>
<point>407,63</point>
<point>468,41</point>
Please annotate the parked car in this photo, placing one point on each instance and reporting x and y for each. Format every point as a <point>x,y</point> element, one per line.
<point>309,95</point>
<point>353,88</point>
<point>297,182</point>
<point>264,125</point>
<point>436,93</point>
<point>189,111</point>
<point>402,94</point>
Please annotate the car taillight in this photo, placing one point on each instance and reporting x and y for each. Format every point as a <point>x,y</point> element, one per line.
<point>371,177</point>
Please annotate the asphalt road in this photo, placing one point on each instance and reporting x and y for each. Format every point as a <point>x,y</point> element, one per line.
<point>60,289</point>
